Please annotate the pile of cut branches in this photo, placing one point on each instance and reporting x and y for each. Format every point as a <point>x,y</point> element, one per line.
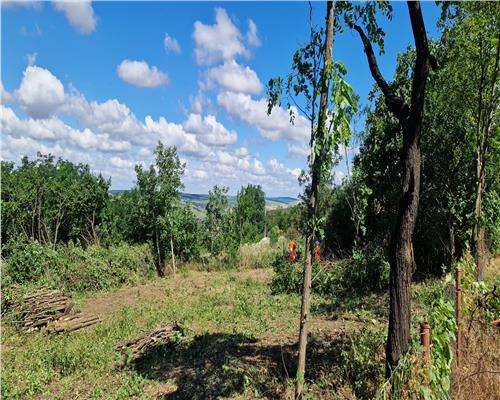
<point>40,308</point>
<point>161,335</point>
<point>72,322</point>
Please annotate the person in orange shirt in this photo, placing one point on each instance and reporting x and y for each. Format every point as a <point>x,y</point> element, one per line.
<point>292,249</point>
<point>317,251</point>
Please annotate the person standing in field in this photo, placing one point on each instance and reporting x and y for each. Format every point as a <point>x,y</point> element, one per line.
<point>292,249</point>
<point>317,251</point>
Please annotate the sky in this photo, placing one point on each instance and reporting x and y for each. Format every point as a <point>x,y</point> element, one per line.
<point>102,82</point>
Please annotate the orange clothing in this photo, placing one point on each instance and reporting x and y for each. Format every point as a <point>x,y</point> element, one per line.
<point>317,253</point>
<point>292,248</point>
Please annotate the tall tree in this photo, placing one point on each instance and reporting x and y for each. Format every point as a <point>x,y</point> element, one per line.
<point>250,213</point>
<point>159,201</point>
<point>217,209</point>
<point>328,103</point>
<point>410,118</point>
<point>473,31</point>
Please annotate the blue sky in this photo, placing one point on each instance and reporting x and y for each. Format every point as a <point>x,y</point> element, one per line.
<point>102,82</point>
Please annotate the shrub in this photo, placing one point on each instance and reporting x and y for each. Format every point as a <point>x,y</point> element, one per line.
<point>274,234</point>
<point>365,270</point>
<point>76,269</point>
<point>364,362</point>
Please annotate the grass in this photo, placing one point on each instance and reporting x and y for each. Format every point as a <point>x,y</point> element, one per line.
<point>238,343</point>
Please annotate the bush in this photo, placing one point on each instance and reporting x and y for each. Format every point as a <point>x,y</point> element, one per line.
<point>76,269</point>
<point>364,362</point>
<point>365,270</point>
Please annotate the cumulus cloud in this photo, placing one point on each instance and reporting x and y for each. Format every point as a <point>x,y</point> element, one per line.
<point>79,14</point>
<point>4,95</point>
<point>252,37</point>
<point>222,41</point>
<point>274,127</point>
<point>298,150</point>
<point>40,93</point>
<point>139,73</point>
<point>122,163</point>
<point>209,130</point>
<point>171,44</point>
<point>233,77</point>
<point>53,129</point>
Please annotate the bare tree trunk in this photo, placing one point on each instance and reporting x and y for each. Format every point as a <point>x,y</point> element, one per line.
<point>158,252</point>
<point>173,255</point>
<point>451,228</point>
<point>401,249</point>
<point>313,201</point>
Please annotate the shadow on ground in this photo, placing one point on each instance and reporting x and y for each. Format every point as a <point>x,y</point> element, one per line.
<point>217,365</point>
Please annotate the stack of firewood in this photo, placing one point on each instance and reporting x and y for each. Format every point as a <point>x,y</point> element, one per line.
<point>50,308</point>
<point>72,322</point>
<point>161,335</point>
<point>40,308</point>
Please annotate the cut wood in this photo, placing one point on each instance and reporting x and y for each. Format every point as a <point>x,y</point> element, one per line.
<point>72,323</point>
<point>42,307</point>
<point>139,344</point>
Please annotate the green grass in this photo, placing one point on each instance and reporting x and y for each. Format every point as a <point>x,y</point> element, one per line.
<point>37,365</point>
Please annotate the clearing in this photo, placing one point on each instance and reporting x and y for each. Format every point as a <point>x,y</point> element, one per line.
<point>239,342</point>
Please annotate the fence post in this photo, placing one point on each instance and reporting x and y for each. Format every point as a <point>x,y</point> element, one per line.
<point>458,316</point>
<point>425,341</point>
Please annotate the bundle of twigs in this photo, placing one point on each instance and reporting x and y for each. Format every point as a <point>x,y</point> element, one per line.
<point>139,344</point>
<point>42,307</point>
<point>72,322</point>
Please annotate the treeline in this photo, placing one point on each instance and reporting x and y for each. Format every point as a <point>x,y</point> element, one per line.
<point>459,198</point>
<point>54,203</point>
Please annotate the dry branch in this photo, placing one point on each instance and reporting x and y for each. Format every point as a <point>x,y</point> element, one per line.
<point>139,344</point>
<point>40,308</point>
<point>71,323</point>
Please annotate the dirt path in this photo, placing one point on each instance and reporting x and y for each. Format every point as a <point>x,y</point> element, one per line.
<point>105,304</point>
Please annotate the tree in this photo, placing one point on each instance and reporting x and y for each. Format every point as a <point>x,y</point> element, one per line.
<point>329,105</point>
<point>250,213</point>
<point>52,201</point>
<point>216,220</point>
<point>410,118</point>
<point>473,32</point>
<point>159,201</point>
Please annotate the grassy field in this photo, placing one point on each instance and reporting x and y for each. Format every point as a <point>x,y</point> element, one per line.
<point>238,343</point>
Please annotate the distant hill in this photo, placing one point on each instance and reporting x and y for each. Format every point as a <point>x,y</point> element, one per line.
<point>199,201</point>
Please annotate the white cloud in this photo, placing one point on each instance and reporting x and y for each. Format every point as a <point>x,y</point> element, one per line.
<point>209,130</point>
<point>252,37</point>
<point>222,41</point>
<point>233,77</point>
<point>40,93</point>
<point>139,73</point>
<point>171,44</point>
<point>79,13</point>
<point>21,3</point>
<point>199,174</point>
<point>274,127</point>
<point>31,58</point>
<point>338,177</point>
<point>298,150</point>
<point>4,95</point>
<point>172,134</point>
<point>121,163</point>
<point>53,129</point>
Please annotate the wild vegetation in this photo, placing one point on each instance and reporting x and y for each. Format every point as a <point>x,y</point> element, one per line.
<point>421,203</point>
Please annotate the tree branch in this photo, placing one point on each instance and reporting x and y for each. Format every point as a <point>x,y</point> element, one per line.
<point>393,101</point>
